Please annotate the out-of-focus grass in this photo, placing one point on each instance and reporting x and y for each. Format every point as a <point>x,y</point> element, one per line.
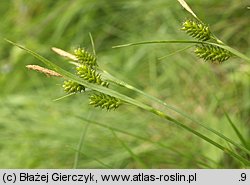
<point>36,132</point>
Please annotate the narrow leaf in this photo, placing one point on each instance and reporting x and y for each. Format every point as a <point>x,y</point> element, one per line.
<point>185,5</point>
<point>132,154</point>
<point>236,130</point>
<point>232,50</point>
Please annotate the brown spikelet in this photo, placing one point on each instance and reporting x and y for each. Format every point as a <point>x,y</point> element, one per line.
<point>64,53</point>
<point>46,71</point>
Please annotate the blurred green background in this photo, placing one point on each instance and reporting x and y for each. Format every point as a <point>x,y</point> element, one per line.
<point>37,132</point>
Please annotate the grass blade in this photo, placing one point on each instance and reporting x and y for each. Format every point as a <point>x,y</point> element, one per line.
<point>185,6</point>
<point>79,146</point>
<point>244,143</point>
<point>133,155</point>
<point>95,159</point>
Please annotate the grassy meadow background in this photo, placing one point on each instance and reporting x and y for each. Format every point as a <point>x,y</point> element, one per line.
<point>37,132</point>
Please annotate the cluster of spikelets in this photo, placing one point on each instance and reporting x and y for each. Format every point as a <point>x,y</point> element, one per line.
<point>206,51</point>
<point>87,70</point>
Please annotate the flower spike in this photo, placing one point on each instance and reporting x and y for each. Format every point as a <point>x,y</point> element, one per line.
<point>70,86</point>
<point>197,30</point>
<point>104,101</point>
<point>212,53</point>
<point>90,75</point>
<point>85,58</point>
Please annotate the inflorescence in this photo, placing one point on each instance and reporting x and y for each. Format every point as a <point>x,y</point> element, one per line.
<point>104,101</point>
<point>85,58</point>
<point>212,53</point>
<point>87,70</point>
<point>206,51</point>
<point>197,30</point>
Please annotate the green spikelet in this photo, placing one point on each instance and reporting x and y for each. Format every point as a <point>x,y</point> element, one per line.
<point>196,30</point>
<point>72,87</point>
<point>87,70</point>
<point>85,58</point>
<point>104,101</point>
<point>212,53</point>
<point>90,75</point>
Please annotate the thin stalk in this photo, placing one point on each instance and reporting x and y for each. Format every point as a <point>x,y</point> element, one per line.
<point>173,53</point>
<point>243,141</point>
<point>232,50</point>
<point>79,146</point>
<point>158,42</point>
<point>94,159</point>
<point>92,43</point>
<point>132,154</point>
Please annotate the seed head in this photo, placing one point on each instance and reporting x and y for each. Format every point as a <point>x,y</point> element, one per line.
<point>197,30</point>
<point>70,86</point>
<point>90,75</point>
<point>212,53</point>
<point>85,57</point>
<point>104,101</point>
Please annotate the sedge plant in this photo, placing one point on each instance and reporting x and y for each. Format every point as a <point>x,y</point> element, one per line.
<point>97,83</point>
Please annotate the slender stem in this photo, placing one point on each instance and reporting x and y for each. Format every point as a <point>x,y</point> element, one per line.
<point>219,44</point>
<point>157,42</point>
<point>79,146</point>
